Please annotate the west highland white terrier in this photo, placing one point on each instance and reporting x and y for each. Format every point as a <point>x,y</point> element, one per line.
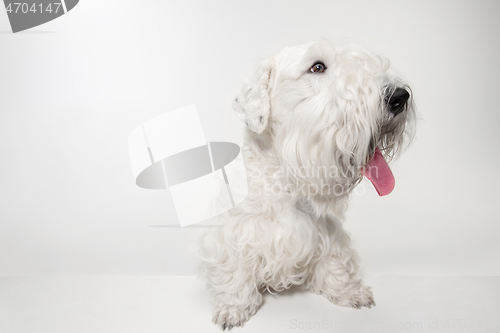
<point>318,118</point>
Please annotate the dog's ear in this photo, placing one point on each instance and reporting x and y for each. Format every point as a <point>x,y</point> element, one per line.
<point>253,103</point>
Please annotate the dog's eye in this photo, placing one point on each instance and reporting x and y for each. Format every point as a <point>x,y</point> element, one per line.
<point>318,67</point>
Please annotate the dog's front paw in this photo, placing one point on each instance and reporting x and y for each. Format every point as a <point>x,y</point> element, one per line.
<point>229,316</point>
<point>362,297</point>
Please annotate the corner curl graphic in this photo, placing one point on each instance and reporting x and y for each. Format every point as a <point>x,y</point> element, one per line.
<point>26,14</point>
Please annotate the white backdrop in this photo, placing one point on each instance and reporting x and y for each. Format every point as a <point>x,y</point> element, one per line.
<point>72,90</point>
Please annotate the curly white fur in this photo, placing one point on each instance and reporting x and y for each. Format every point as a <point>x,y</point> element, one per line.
<point>309,135</point>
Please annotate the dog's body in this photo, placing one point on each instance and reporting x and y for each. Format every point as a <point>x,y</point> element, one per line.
<point>315,115</point>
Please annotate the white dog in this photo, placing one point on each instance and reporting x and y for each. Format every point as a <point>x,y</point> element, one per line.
<point>316,116</point>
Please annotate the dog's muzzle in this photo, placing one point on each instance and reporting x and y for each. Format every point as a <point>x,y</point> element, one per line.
<point>396,102</point>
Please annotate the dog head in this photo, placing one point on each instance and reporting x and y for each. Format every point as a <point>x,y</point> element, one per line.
<point>324,110</point>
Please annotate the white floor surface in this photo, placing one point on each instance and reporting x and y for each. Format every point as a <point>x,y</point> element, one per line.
<point>164,304</point>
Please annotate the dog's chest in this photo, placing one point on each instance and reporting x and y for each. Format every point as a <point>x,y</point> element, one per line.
<point>288,245</point>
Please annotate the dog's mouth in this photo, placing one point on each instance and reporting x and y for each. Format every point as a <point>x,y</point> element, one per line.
<point>378,171</point>
<point>371,150</point>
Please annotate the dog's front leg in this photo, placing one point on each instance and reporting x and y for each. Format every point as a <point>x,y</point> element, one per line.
<point>335,275</point>
<point>235,297</point>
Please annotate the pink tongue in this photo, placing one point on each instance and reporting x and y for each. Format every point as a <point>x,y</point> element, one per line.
<point>379,173</point>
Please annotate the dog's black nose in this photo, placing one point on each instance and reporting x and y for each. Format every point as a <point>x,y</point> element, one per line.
<point>396,102</point>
